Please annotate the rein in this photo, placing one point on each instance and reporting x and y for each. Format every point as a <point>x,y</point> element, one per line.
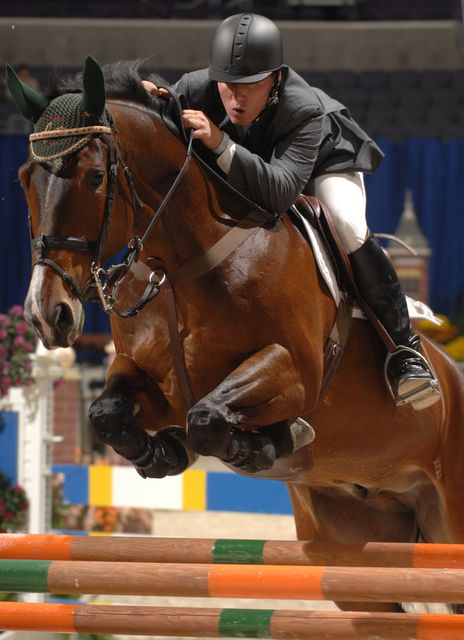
<point>106,280</point>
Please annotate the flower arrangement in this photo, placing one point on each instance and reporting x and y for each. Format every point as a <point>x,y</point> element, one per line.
<point>17,342</point>
<point>13,505</point>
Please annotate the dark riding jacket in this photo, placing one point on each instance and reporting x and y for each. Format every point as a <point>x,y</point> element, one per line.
<point>305,135</point>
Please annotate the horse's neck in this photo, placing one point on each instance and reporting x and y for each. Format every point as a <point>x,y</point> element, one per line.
<point>191,220</point>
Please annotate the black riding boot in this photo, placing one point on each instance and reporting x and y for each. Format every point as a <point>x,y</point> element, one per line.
<point>379,286</point>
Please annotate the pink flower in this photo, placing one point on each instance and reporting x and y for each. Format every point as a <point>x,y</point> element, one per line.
<point>16,310</point>
<point>16,343</point>
<point>21,328</point>
<point>19,341</point>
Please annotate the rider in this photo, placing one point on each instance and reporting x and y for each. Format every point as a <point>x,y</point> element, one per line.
<point>274,136</point>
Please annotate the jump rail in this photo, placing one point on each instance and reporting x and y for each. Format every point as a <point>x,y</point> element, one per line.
<point>348,584</point>
<point>185,567</point>
<point>223,551</point>
<point>230,623</point>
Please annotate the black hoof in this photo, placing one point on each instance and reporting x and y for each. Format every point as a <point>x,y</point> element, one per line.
<point>249,451</point>
<point>207,431</point>
<point>164,455</point>
<point>289,436</point>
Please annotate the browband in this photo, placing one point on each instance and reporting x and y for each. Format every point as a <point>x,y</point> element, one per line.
<point>64,133</point>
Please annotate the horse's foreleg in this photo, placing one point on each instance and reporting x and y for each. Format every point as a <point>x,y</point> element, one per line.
<point>130,403</point>
<point>247,419</point>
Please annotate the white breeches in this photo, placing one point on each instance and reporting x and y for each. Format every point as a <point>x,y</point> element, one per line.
<point>345,197</point>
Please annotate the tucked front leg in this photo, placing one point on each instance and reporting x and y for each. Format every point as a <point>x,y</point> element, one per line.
<point>246,419</point>
<point>129,404</point>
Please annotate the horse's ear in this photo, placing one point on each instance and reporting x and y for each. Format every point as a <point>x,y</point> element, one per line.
<point>30,103</point>
<point>93,99</point>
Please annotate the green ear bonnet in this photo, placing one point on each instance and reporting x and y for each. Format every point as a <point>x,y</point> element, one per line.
<point>68,122</point>
<point>65,114</point>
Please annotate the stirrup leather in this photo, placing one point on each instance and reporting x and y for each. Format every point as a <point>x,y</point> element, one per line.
<point>426,393</point>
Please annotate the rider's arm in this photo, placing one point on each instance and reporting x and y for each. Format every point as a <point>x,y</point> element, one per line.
<point>275,185</point>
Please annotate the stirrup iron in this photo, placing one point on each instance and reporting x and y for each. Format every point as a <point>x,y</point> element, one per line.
<point>420,397</point>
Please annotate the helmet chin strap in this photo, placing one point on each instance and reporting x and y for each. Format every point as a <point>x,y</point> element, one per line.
<point>274,95</point>
<point>272,100</point>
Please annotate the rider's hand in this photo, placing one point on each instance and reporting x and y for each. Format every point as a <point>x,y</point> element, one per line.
<point>156,91</point>
<point>203,128</point>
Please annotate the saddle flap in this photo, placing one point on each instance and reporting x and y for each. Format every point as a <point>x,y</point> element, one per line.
<point>319,217</point>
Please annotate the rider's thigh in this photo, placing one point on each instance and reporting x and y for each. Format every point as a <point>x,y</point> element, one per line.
<point>345,197</point>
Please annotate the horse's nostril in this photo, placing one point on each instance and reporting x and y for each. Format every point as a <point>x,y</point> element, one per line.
<point>63,318</point>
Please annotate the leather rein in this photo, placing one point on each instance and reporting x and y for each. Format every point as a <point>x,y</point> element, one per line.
<point>103,281</point>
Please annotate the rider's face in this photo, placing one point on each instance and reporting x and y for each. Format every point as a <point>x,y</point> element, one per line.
<point>244,102</point>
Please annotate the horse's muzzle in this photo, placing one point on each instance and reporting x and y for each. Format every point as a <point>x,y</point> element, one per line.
<point>59,326</point>
<point>62,324</point>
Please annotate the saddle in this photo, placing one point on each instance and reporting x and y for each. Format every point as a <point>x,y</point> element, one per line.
<point>320,219</point>
<point>344,292</point>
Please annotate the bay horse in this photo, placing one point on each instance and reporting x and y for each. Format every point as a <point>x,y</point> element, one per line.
<point>249,329</point>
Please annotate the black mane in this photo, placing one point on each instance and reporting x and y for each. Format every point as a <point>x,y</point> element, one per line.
<point>122,81</point>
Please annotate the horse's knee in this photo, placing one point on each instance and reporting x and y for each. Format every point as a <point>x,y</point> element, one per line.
<point>156,456</point>
<point>111,417</point>
<point>208,427</point>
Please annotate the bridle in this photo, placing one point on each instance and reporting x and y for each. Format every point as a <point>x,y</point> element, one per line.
<point>44,243</point>
<point>104,280</point>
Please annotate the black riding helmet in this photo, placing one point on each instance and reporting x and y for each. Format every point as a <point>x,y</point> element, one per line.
<point>245,48</point>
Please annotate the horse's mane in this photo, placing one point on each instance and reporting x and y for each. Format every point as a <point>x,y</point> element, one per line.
<point>122,82</point>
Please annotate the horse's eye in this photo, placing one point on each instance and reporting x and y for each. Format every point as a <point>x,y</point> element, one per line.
<point>95,178</point>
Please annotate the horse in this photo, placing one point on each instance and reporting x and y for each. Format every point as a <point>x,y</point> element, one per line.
<point>228,355</point>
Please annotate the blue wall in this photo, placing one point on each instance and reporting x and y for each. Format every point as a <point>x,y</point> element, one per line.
<point>9,445</point>
<point>433,170</point>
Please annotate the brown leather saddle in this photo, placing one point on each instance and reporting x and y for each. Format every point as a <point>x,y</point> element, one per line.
<point>319,217</point>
